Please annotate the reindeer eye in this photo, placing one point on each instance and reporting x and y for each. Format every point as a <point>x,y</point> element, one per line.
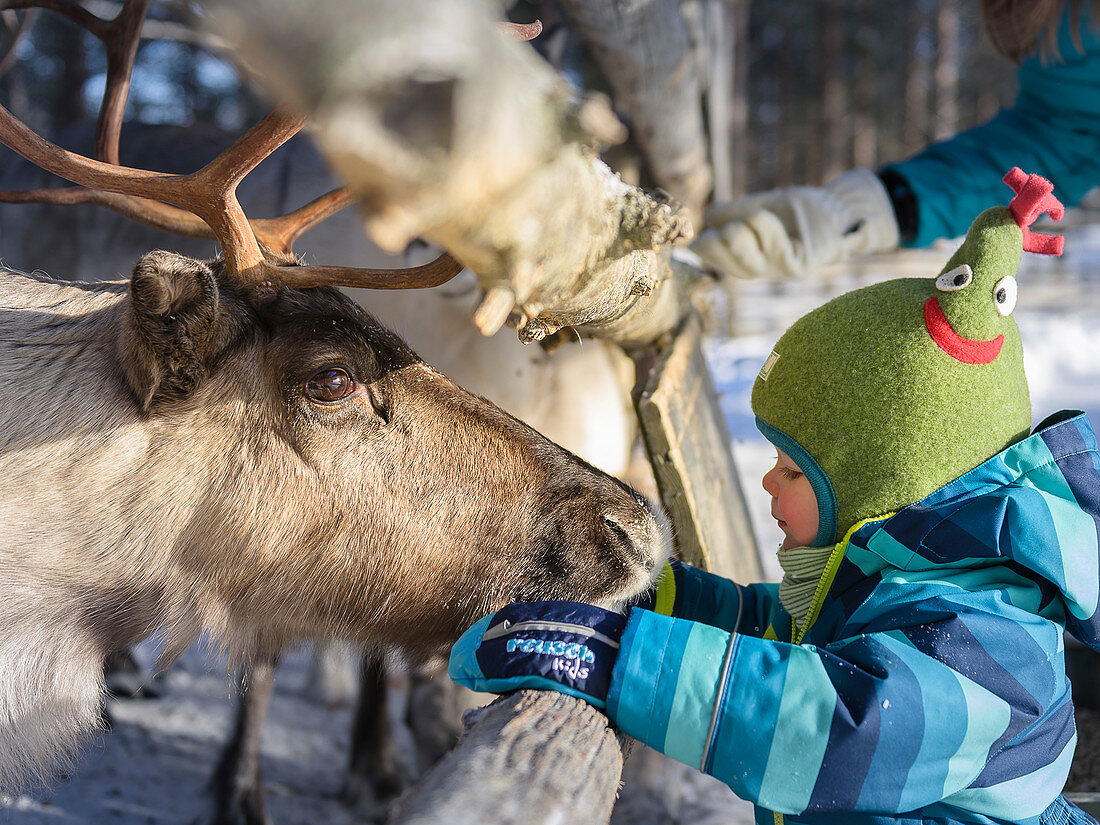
<point>955,279</point>
<point>1004,295</point>
<point>329,386</point>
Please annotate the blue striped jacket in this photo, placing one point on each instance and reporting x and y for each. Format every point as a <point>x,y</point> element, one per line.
<point>928,683</point>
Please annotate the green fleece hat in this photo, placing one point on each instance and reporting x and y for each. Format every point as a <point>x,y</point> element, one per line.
<point>887,393</point>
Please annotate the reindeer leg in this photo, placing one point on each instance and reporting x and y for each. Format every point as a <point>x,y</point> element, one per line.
<point>377,771</point>
<point>236,786</point>
<point>434,712</point>
<point>125,677</point>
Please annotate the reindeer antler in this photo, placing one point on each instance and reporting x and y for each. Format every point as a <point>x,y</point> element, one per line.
<point>1034,196</point>
<point>522,31</point>
<point>201,204</point>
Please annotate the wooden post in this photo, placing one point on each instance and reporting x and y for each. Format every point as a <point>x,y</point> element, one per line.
<point>644,51</point>
<point>689,447</point>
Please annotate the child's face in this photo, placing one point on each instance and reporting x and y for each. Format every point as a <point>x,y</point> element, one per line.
<point>794,504</point>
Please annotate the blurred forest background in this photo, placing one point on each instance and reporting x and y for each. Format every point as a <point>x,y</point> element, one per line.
<point>795,91</point>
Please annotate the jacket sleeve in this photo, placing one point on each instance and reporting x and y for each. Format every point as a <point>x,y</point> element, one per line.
<point>881,722</point>
<point>687,592</point>
<point>1053,129</point>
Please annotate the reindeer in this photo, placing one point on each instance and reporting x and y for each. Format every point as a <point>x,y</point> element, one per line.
<point>575,397</point>
<point>234,446</point>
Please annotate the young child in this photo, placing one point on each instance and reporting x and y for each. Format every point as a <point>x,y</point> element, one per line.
<point>910,666</point>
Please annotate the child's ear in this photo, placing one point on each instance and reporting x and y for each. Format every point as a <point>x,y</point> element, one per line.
<point>171,325</point>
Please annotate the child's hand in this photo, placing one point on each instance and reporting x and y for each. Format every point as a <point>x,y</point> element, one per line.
<point>563,646</point>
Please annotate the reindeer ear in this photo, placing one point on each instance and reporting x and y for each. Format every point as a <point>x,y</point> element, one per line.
<point>172,325</point>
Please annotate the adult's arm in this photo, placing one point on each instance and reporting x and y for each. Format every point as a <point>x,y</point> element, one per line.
<point>1053,130</point>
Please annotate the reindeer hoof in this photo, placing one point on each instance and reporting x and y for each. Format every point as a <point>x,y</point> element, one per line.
<point>371,797</point>
<point>241,812</point>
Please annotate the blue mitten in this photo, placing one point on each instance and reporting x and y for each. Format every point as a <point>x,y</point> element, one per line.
<point>564,646</point>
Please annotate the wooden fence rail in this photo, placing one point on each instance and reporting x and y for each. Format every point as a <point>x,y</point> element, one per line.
<point>530,758</point>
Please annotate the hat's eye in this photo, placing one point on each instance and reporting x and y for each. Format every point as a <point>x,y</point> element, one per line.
<point>1004,295</point>
<point>955,279</point>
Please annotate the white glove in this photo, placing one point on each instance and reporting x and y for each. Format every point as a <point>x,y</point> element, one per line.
<point>794,232</point>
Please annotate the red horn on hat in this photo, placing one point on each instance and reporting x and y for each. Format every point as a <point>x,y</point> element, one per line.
<point>1034,196</point>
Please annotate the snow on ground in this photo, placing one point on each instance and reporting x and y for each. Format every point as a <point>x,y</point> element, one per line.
<point>151,768</point>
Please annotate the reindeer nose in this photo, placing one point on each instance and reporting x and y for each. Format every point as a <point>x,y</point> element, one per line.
<point>620,539</point>
<point>639,533</point>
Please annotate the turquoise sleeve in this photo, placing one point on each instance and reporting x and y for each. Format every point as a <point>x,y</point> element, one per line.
<point>866,724</point>
<point>1053,130</point>
<point>666,682</point>
<point>715,600</point>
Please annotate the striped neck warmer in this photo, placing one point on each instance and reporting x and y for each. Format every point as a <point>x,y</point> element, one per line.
<point>802,571</point>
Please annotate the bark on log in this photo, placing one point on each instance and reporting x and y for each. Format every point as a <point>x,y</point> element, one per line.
<point>447,130</point>
<point>531,758</point>
<point>644,50</point>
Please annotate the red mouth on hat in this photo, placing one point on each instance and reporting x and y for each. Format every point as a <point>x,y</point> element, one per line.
<point>959,348</point>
